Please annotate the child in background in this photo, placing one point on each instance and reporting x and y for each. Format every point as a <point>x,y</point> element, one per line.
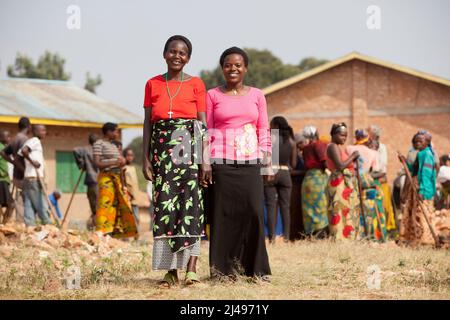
<point>443,179</point>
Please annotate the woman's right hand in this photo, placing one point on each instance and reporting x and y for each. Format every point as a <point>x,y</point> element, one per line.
<point>148,171</point>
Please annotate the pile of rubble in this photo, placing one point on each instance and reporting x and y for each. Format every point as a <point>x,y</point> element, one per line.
<point>50,238</point>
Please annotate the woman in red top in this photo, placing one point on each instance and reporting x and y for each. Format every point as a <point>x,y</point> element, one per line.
<point>342,193</point>
<point>314,197</point>
<point>174,127</point>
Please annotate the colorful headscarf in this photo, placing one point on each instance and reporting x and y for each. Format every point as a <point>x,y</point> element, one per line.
<point>309,132</point>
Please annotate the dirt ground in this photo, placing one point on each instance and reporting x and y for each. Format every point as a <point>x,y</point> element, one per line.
<point>40,265</point>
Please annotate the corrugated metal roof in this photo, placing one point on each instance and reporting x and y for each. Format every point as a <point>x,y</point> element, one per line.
<point>59,103</point>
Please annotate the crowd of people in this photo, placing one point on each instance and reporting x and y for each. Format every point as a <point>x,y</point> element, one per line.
<point>111,180</point>
<point>214,158</point>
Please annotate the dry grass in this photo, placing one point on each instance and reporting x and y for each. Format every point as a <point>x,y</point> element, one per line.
<point>304,270</point>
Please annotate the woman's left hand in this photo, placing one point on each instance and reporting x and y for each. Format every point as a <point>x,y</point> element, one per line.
<point>205,175</point>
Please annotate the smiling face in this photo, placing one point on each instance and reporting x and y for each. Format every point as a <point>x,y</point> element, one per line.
<point>234,69</point>
<point>177,55</point>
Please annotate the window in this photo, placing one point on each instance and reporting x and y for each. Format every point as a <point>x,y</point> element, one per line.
<point>67,173</point>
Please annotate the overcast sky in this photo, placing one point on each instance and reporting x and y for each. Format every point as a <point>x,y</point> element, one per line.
<point>123,40</point>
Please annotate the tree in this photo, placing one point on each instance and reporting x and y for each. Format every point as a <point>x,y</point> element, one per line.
<point>310,63</point>
<point>50,66</point>
<point>264,69</point>
<point>92,83</point>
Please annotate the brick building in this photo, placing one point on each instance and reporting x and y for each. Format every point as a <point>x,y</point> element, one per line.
<point>70,114</point>
<point>362,90</point>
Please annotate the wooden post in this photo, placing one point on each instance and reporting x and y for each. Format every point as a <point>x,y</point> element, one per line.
<point>71,199</point>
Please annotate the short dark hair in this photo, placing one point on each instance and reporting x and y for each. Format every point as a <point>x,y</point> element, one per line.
<point>335,127</point>
<point>125,151</point>
<point>93,137</point>
<point>178,37</point>
<point>233,50</point>
<point>24,122</point>
<point>109,126</point>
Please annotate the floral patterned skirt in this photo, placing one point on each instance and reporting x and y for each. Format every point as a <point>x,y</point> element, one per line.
<point>178,199</point>
<point>314,200</point>
<point>114,214</point>
<point>343,204</point>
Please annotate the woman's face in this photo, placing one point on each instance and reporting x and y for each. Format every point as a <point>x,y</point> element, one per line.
<point>113,134</point>
<point>420,142</point>
<point>234,69</point>
<point>177,55</point>
<point>341,136</point>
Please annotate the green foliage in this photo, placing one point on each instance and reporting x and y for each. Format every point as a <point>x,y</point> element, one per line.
<point>50,66</point>
<point>92,83</point>
<point>264,69</point>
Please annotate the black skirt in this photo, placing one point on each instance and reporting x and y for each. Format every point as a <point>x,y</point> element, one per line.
<point>236,217</point>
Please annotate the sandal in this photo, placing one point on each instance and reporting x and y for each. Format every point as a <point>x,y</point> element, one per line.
<point>170,279</point>
<point>191,278</point>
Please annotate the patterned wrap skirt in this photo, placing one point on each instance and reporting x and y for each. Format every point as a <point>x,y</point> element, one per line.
<point>343,201</point>
<point>314,200</point>
<point>178,218</point>
<point>374,214</point>
<point>114,215</point>
<point>414,229</point>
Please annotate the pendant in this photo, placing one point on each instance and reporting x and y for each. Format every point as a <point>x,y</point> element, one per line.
<point>170,113</point>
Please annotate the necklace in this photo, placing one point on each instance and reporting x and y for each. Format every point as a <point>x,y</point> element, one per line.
<point>234,90</point>
<point>170,113</point>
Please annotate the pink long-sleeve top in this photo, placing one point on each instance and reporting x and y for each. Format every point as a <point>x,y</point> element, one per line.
<point>238,126</point>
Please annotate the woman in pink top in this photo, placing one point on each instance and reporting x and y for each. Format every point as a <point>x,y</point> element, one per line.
<point>240,141</point>
<point>341,189</point>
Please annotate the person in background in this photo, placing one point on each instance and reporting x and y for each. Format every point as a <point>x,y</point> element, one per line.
<point>372,194</point>
<point>297,174</point>
<point>314,197</point>
<point>277,193</point>
<point>131,181</point>
<point>114,215</point>
<point>342,191</point>
<point>33,190</point>
<point>413,226</point>
<point>443,179</point>
<point>6,200</point>
<point>374,136</point>
<point>54,198</point>
<point>85,161</point>
<point>10,154</point>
